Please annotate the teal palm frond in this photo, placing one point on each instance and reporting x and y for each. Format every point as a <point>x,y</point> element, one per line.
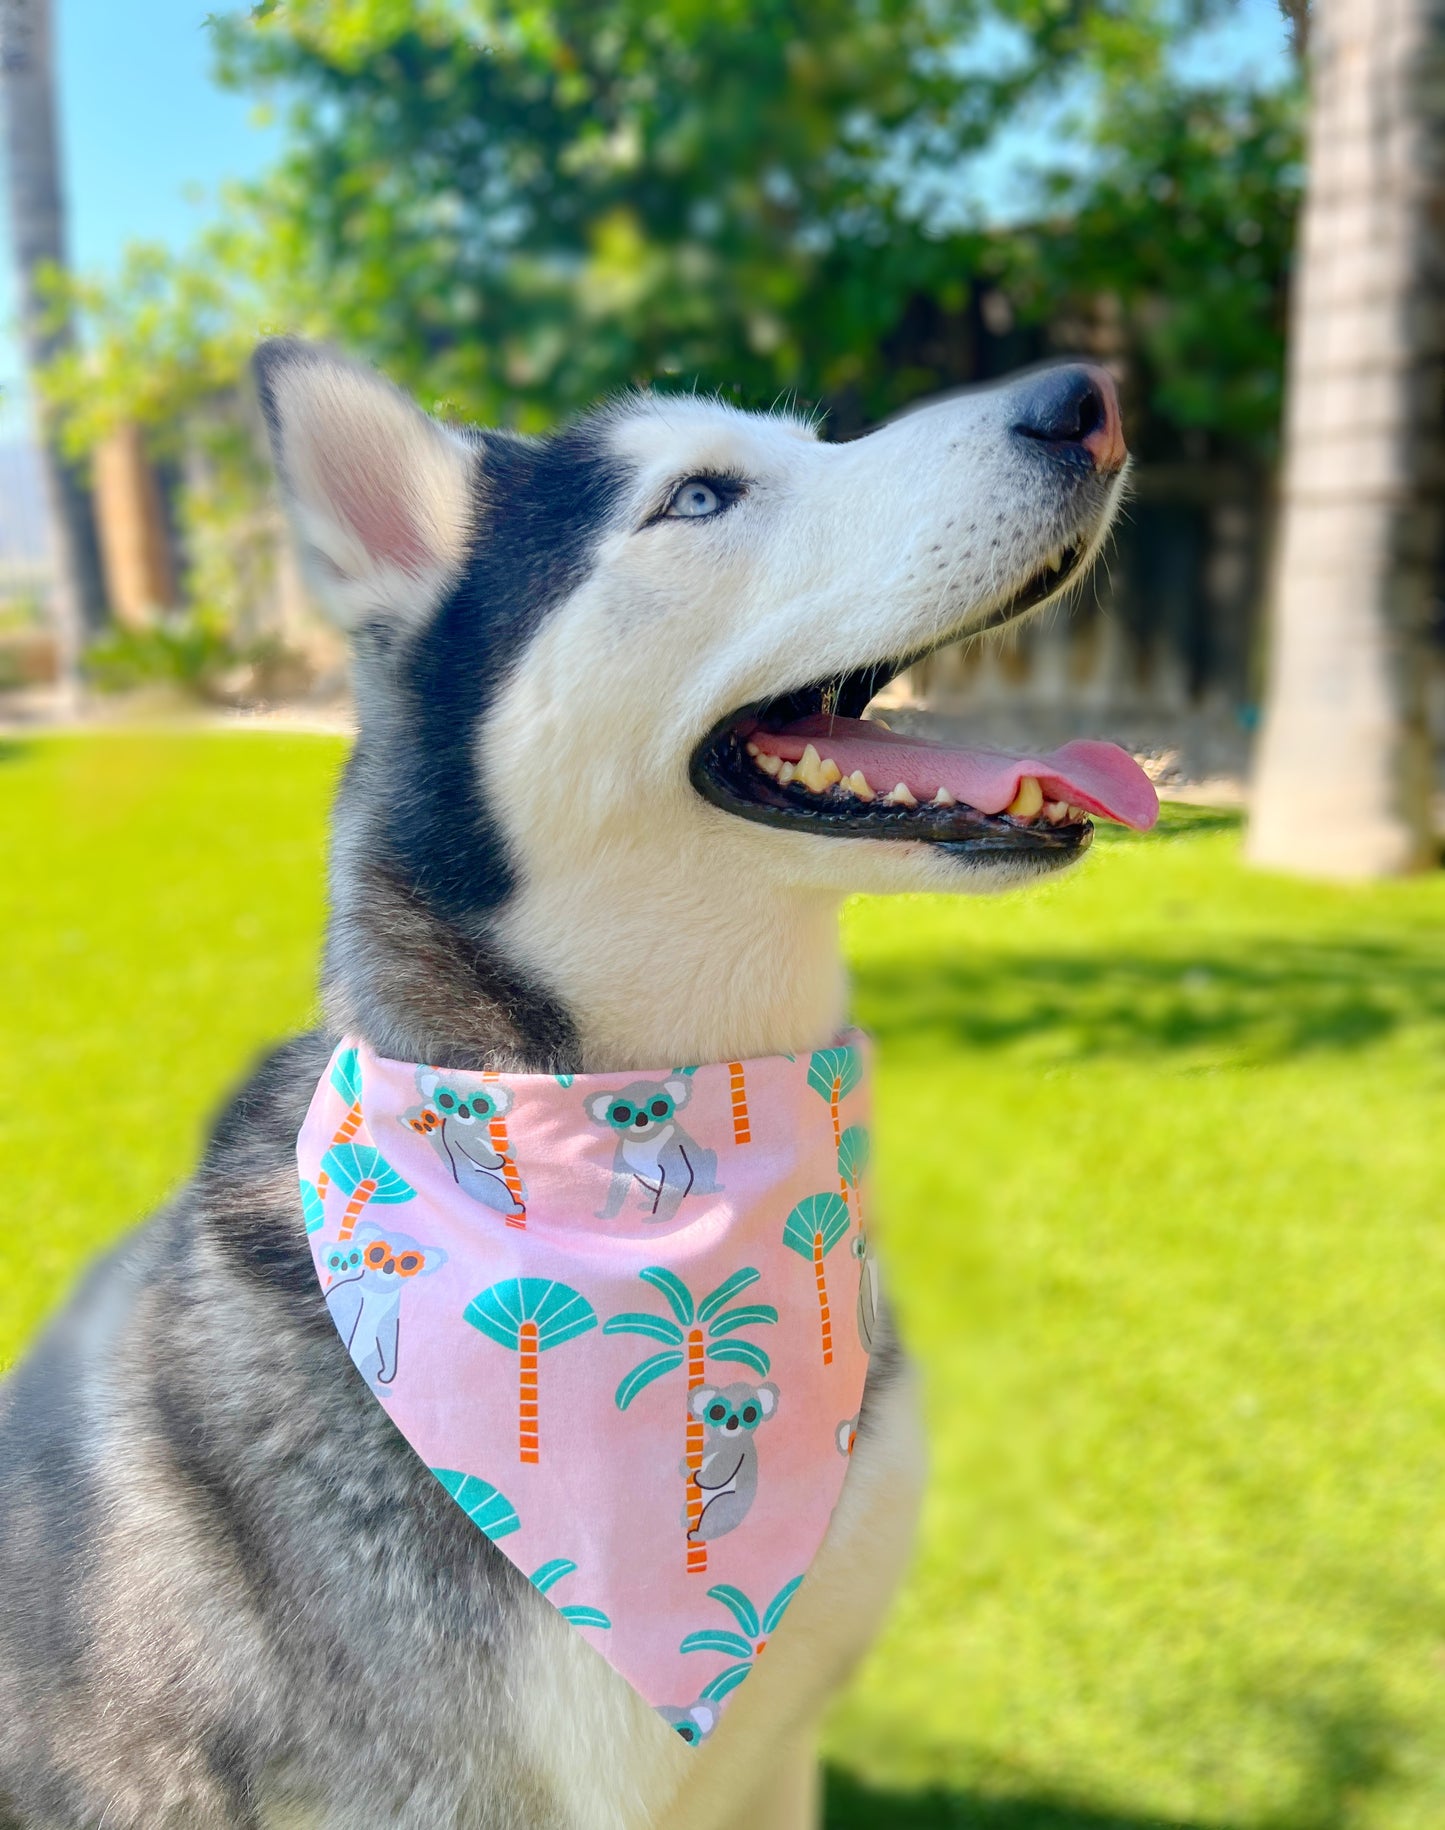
<point>551,1573</point>
<point>822,1217</point>
<point>830,1065</point>
<point>778,1606</point>
<point>726,1291</point>
<point>559,1311</point>
<point>346,1075</point>
<point>750,1315</point>
<point>643,1375</point>
<point>582,1616</point>
<point>717,1639</point>
<point>853,1154</point>
<point>313,1208</point>
<point>488,1509</point>
<point>655,1327</point>
<point>349,1164</point>
<point>725,1682</point>
<point>679,1297</point>
<point>741,1353</point>
<point>740,1607</point>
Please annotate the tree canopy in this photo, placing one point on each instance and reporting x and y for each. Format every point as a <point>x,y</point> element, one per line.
<point>515,210</point>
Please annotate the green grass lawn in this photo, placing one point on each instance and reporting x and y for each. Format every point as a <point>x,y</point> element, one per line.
<point>1162,1165</point>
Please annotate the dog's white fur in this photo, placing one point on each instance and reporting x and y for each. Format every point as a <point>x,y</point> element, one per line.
<point>673,931</point>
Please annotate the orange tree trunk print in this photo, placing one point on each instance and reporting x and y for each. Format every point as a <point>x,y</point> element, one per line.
<point>813,1228</point>
<point>346,1078</point>
<point>737,1082</point>
<point>529,1315</point>
<point>511,1175</point>
<point>833,1073</point>
<point>694,1333</point>
<point>364,1176</point>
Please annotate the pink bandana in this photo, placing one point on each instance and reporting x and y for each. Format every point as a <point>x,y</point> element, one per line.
<point>624,1319</point>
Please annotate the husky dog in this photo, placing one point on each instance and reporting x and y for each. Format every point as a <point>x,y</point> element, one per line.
<point>567,841</point>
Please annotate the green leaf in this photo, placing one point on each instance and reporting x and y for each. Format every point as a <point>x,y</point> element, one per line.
<point>725,1682</point>
<point>582,1616</point>
<point>778,1606</point>
<point>678,1295</point>
<point>751,1315</point>
<point>726,1291</point>
<point>815,1216</point>
<point>740,1607</point>
<point>551,1573</point>
<point>717,1639</point>
<point>485,1505</point>
<point>741,1353</point>
<point>643,1375</point>
<point>655,1327</point>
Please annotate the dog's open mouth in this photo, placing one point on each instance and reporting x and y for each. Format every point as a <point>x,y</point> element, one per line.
<point>811,762</point>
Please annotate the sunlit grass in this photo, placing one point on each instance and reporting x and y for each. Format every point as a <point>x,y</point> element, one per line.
<point>1163,1188</point>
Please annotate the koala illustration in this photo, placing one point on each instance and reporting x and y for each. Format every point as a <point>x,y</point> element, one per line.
<point>728,1477</point>
<point>653,1150</point>
<point>867,1290</point>
<point>365,1280</point>
<point>846,1435</point>
<point>694,1723</point>
<point>460,1127</point>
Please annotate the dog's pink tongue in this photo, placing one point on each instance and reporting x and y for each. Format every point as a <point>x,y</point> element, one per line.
<point>1099,777</point>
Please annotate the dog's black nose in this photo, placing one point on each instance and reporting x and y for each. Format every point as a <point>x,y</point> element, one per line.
<point>1075,405</point>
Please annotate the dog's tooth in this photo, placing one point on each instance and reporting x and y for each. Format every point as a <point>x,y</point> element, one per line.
<point>1056,812</point>
<point>753,750</point>
<point>810,770</point>
<point>902,795</point>
<point>1077,813</point>
<point>770,765</point>
<point>830,772</point>
<point>786,773</point>
<point>858,782</point>
<point>1030,797</point>
<point>944,799</point>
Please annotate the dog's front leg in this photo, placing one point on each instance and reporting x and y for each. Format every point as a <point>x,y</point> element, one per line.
<point>792,1796</point>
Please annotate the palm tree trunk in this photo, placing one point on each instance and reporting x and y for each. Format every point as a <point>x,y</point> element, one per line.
<point>1342,787</point>
<point>37,227</point>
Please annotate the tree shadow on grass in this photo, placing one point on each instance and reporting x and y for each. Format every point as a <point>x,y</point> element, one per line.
<point>853,1805</point>
<point>1346,1754</point>
<point>1261,1001</point>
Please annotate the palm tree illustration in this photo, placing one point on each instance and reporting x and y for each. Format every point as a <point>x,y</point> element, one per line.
<point>694,1333</point>
<point>813,1228</point>
<point>511,1175</point>
<point>738,1087</point>
<point>853,1149</point>
<point>576,1612</point>
<point>363,1175</point>
<point>746,1645</point>
<point>529,1315</point>
<point>346,1078</point>
<point>833,1073</point>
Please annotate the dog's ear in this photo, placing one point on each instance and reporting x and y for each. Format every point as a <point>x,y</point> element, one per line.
<point>380,498</point>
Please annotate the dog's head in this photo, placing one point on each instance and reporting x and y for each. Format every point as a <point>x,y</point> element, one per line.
<point>665,623</point>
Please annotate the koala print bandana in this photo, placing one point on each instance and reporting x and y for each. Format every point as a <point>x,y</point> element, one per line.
<point>623,1318</point>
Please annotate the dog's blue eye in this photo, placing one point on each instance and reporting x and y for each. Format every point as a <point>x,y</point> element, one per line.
<point>693,499</point>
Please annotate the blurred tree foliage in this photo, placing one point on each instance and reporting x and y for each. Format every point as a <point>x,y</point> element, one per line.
<point>515,209</point>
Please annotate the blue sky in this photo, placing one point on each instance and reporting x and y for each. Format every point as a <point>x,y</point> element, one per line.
<point>142,124</point>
